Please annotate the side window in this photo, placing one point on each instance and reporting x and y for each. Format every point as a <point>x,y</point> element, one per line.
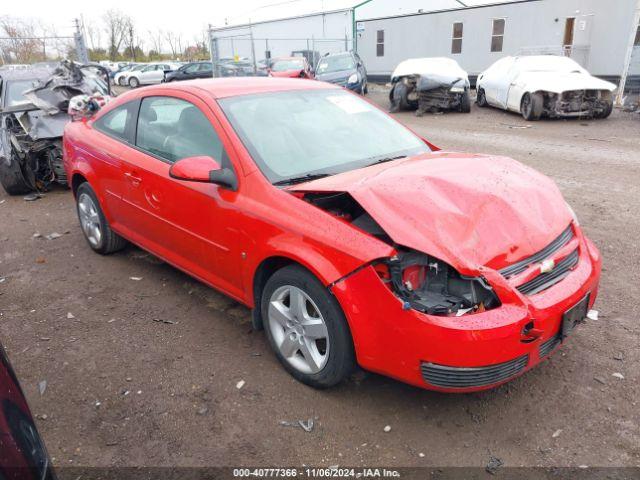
<point>497,34</point>
<point>192,68</point>
<point>173,129</point>
<point>380,43</point>
<point>118,122</point>
<point>205,67</point>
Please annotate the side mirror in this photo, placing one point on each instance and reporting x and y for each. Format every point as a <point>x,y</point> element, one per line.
<point>203,169</point>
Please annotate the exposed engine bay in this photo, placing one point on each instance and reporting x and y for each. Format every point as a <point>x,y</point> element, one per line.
<point>422,282</point>
<point>587,103</point>
<point>31,127</point>
<point>430,85</point>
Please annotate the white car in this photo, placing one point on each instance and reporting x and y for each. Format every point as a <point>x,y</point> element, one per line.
<point>151,74</point>
<point>544,85</point>
<point>122,77</point>
<point>430,84</point>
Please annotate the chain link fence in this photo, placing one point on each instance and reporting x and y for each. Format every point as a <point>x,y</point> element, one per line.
<point>258,52</point>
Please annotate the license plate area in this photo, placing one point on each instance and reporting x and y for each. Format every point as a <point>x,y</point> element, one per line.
<point>574,316</point>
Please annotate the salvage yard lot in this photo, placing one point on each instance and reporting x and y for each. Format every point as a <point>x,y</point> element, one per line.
<point>142,363</point>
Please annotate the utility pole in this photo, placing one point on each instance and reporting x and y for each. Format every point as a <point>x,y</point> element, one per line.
<point>629,54</point>
<point>81,47</point>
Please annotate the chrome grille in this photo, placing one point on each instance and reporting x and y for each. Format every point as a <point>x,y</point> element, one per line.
<point>549,250</point>
<point>547,280</point>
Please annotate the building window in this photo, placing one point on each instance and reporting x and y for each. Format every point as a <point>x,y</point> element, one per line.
<point>456,39</point>
<point>497,35</point>
<point>380,43</point>
<point>637,42</point>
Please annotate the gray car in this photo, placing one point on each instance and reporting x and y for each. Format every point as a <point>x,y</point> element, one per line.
<point>344,69</point>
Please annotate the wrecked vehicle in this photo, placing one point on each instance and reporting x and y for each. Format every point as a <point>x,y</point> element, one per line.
<point>33,113</point>
<point>353,240</point>
<point>544,86</point>
<point>430,85</point>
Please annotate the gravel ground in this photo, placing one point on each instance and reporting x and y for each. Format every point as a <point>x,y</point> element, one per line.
<point>145,372</point>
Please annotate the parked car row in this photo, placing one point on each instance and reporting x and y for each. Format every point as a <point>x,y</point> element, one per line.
<point>534,86</point>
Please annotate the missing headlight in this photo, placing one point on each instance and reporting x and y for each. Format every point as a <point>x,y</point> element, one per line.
<point>431,286</point>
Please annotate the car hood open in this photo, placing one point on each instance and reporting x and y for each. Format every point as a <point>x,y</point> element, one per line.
<point>467,210</point>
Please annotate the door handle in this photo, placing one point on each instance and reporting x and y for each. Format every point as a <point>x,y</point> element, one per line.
<point>133,178</point>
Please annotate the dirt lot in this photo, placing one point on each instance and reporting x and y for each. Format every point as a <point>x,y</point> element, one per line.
<point>144,372</point>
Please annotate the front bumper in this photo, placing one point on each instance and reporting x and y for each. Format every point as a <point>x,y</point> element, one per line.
<point>489,347</point>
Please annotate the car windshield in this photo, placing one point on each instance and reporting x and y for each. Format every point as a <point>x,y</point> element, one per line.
<point>284,65</point>
<point>316,132</point>
<point>15,90</point>
<point>337,63</point>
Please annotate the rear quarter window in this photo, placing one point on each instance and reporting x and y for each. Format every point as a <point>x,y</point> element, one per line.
<point>119,122</point>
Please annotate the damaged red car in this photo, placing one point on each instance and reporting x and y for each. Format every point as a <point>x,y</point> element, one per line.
<point>354,241</point>
<point>290,67</point>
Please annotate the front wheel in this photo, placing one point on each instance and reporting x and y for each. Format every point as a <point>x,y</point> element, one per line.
<point>465,102</point>
<point>532,105</point>
<point>608,109</point>
<point>307,328</point>
<point>95,226</point>
<point>481,99</point>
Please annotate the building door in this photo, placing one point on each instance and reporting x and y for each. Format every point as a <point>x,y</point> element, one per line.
<point>569,26</point>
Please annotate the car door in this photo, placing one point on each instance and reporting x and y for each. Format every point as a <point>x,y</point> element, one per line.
<point>495,82</point>
<point>205,70</point>
<point>189,224</point>
<point>104,149</point>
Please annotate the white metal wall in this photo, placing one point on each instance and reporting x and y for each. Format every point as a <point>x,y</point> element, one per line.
<point>324,32</point>
<point>603,26</point>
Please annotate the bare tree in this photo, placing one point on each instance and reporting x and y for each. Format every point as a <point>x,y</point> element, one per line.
<point>116,27</point>
<point>172,40</point>
<point>20,45</point>
<point>156,39</point>
<point>93,34</point>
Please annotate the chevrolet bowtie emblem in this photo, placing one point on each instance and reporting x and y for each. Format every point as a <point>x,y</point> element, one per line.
<point>547,265</point>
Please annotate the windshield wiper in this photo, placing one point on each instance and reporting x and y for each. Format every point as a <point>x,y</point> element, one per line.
<point>387,159</point>
<point>303,178</point>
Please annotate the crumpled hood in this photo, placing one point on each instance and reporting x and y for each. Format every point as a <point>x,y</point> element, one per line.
<point>467,210</point>
<point>558,82</point>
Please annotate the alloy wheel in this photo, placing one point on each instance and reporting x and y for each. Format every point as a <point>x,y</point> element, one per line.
<point>89,219</point>
<point>298,329</point>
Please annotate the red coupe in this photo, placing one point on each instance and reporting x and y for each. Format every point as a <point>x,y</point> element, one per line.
<point>353,240</point>
<point>290,67</point>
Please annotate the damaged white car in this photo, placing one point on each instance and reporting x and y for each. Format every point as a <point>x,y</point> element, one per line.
<point>544,86</point>
<point>430,85</point>
<point>33,113</point>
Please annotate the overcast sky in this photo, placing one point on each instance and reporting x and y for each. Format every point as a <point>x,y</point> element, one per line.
<point>187,17</point>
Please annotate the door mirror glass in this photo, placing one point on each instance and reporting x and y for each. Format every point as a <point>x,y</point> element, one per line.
<point>194,169</point>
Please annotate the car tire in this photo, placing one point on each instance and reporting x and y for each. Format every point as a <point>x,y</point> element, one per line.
<point>322,357</point>
<point>531,106</point>
<point>366,88</point>
<point>121,81</point>
<point>481,98</point>
<point>13,178</point>
<point>134,82</point>
<point>400,94</point>
<point>95,227</point>
<point>606,112</point>
<point>465,102</point>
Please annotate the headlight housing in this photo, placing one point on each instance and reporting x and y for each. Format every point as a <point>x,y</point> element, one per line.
<point>353,78</point>
<point>431,286</point>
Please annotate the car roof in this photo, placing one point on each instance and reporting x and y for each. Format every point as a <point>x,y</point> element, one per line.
<point>237,86</point>
<point>26,74</point>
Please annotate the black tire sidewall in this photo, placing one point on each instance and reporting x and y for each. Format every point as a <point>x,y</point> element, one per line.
<point>341,359</point>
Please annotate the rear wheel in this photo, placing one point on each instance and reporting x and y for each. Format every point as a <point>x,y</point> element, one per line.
<point>94,224</point>
<point>531,106</point>
<point>481,98</point>
<point>307,328</point>
<point>134,82</point>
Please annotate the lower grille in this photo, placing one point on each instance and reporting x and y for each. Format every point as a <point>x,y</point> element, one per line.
<point>548,346</point>
<point>547,280</point>
<point>464,377</point>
